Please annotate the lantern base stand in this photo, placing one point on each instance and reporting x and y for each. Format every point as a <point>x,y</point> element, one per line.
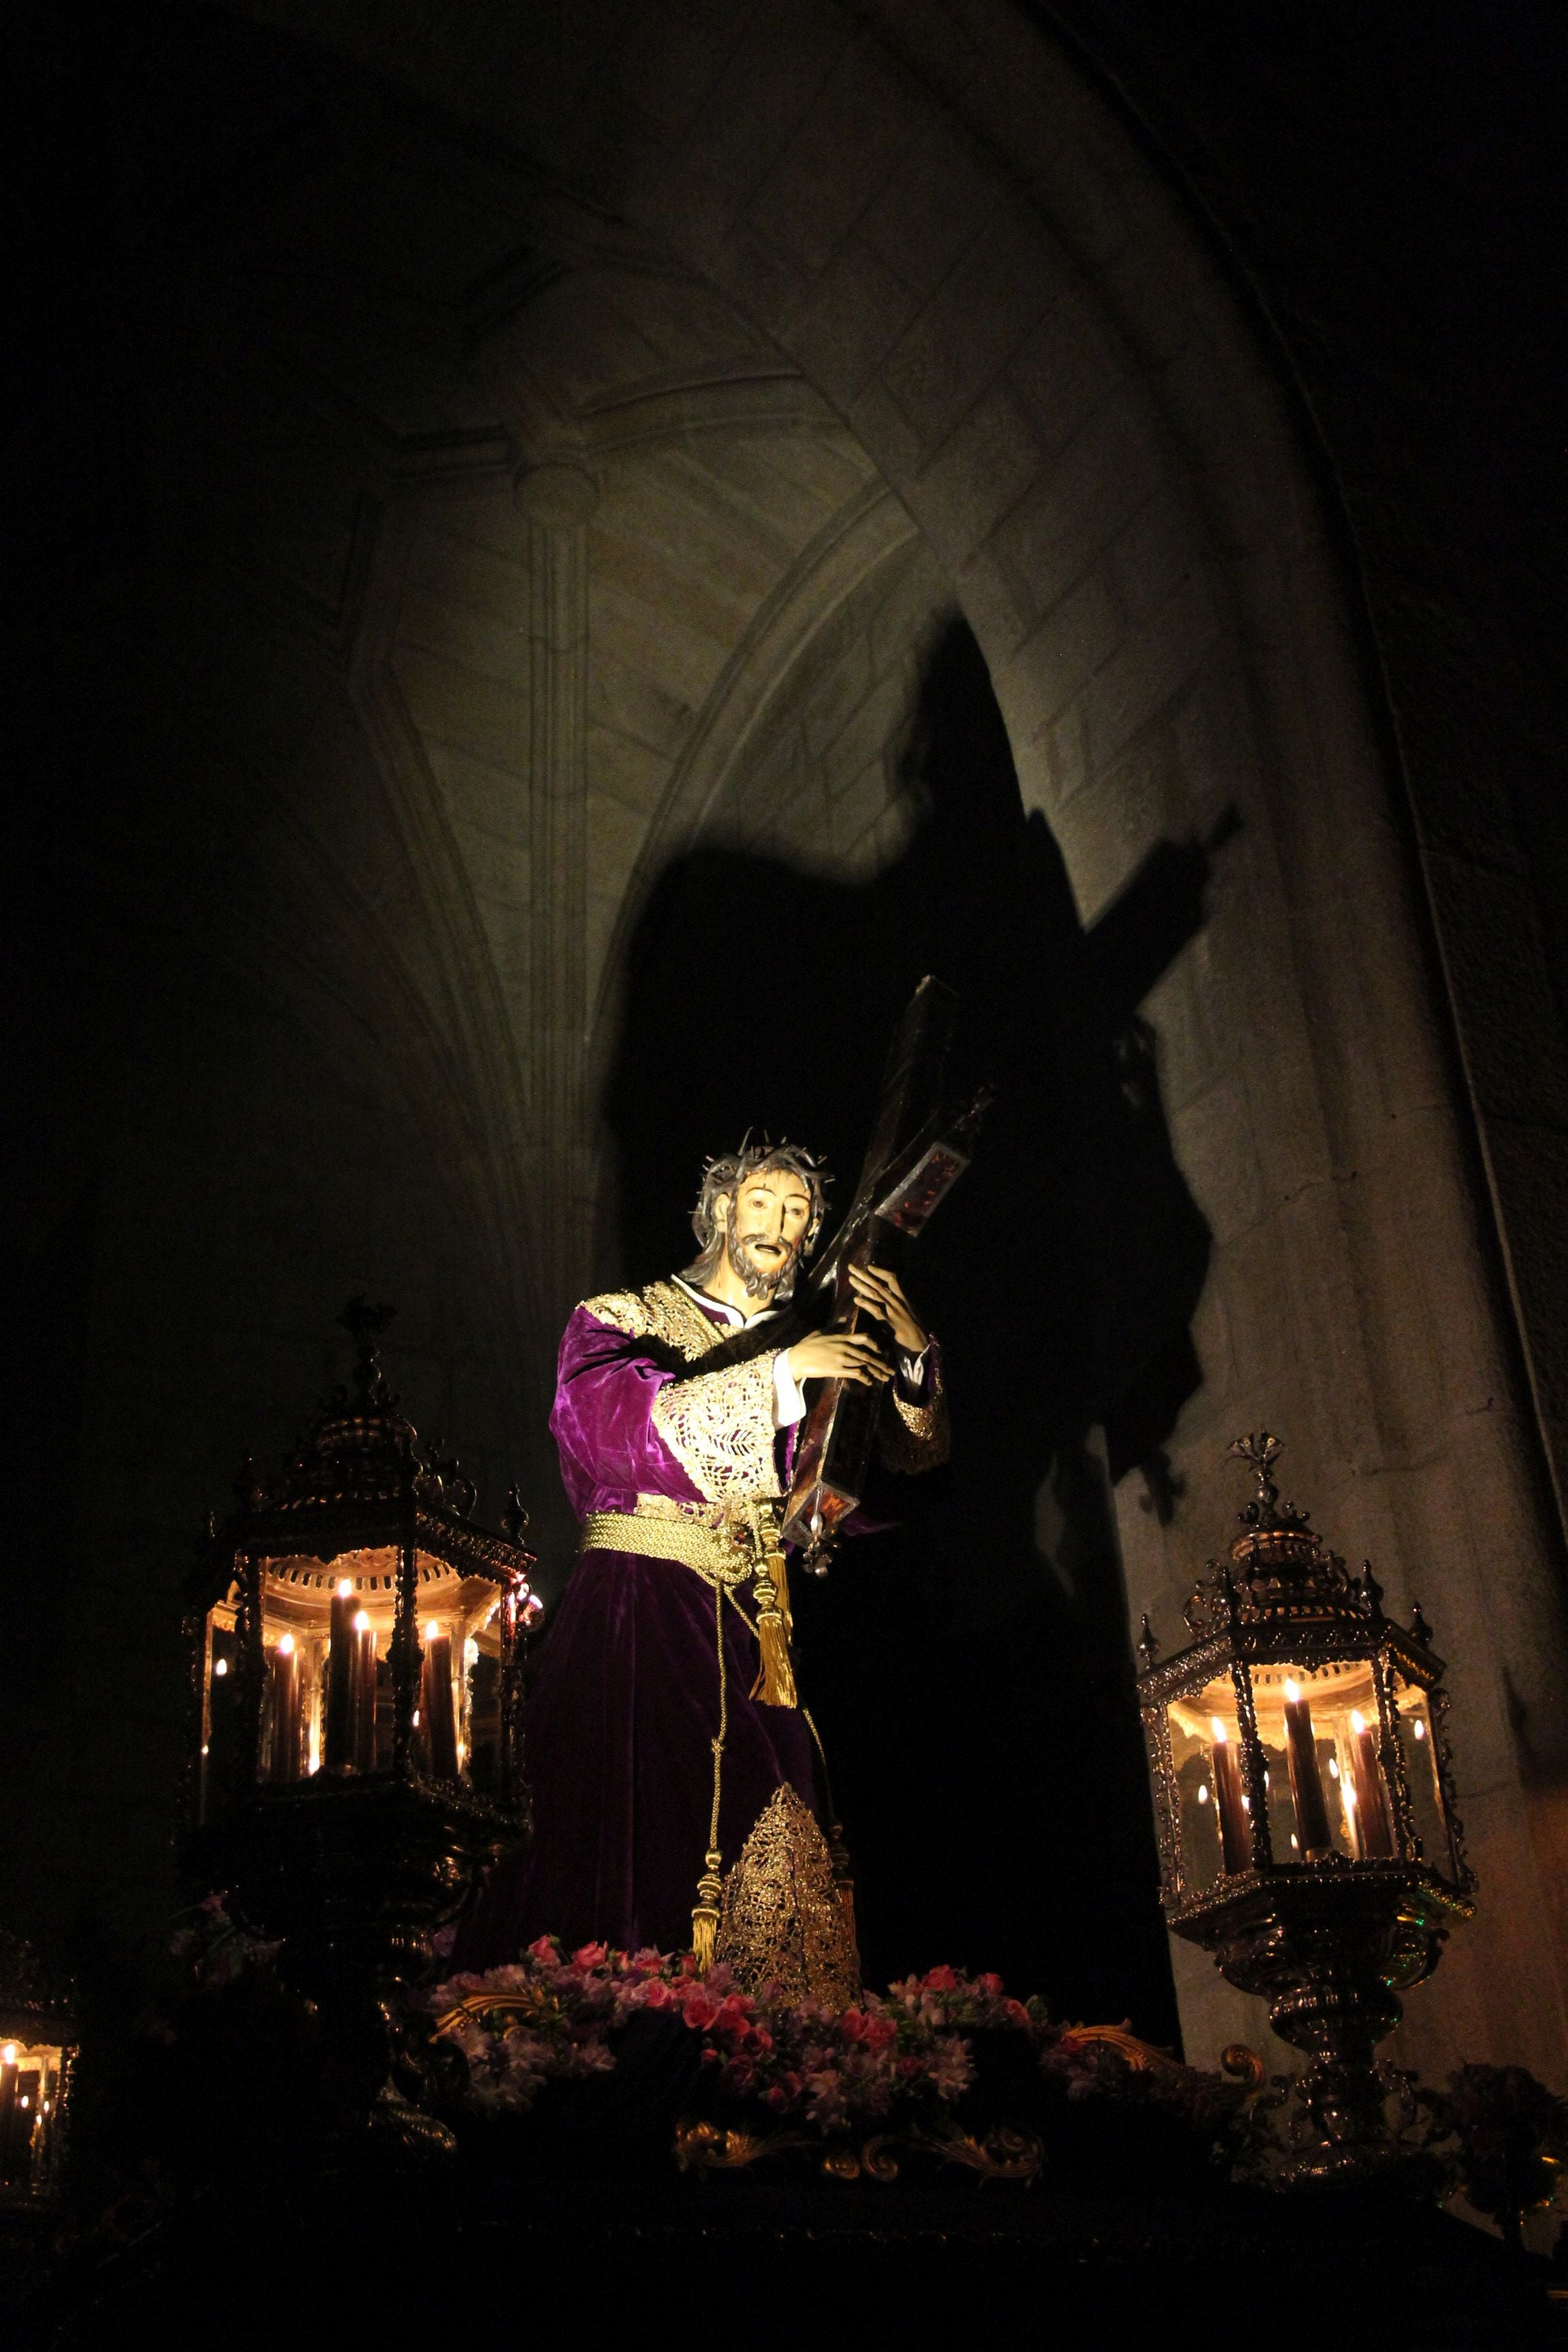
<point>353,1872</point>
<point>1326,1945</point>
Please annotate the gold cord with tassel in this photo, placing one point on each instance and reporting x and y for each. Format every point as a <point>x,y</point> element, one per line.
<point>710,1885</point>
<point>775,1684</point>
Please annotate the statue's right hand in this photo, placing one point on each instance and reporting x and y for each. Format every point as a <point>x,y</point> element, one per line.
<point>852,1356</point>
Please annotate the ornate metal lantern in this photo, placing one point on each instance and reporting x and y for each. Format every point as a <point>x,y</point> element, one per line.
<point>37,2047</point>
<point>1304,1806</point>
<point>356,1647</point>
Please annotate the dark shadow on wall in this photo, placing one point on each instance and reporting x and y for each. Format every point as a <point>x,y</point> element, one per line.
<point>969,1670</point>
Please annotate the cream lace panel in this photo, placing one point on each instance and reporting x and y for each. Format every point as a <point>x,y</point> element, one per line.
<point>661,1311</point>
<point>720,1428</point>
<point>920,1437</point>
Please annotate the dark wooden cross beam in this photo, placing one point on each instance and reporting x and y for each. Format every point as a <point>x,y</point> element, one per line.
<point>920,1146</point>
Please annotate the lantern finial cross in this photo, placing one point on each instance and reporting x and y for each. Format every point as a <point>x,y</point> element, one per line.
<point>364,1324</point>
<point>1262,1451</point>
<point>1265,1512</point>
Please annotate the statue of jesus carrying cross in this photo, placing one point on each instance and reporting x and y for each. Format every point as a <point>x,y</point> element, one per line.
<point>667,1722</point>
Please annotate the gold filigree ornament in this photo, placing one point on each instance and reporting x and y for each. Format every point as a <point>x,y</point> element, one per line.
<point>919,1436</point>
<point>662,1312</point>
<point>782,1921</point>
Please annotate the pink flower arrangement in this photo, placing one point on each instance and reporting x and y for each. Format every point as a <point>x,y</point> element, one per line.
<point>552,2016</point>
<point>549,2016</point>
<point>215,1948</point>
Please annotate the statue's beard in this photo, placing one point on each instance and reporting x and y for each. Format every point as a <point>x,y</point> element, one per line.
<point>764,1277</point>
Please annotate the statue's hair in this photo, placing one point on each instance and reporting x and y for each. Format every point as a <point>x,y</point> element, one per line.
<point>726,1174</point>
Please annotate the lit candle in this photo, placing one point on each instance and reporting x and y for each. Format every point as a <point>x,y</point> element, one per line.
<point>364,1694</point>
<point>341,1678</point>
<point>15,2130</point>
<point>436,1703</point>
<point>1374,1839</point>
<point>285,1722</point>
<point>1235,1829</point>
<point>1306,1788</point>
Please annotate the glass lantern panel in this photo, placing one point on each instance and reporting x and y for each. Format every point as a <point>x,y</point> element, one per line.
<point>326,1636</point>
<point>29,2091</point>
<point>1213,1812</point>
<point>460,1677</point>
<point>222,1773</point>
<point>1327,1791</point>
<point>482,1701</point>
<point>1413,1717</point>
<point>329,1695</point>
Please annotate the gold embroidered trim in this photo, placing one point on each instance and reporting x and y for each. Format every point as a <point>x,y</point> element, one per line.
<point>661,1311</point>
<point>920,1438</point>
<point>720,1428</point>
<point>782,1922</point>
<point>674,1507</point>
<point>716,1558</point>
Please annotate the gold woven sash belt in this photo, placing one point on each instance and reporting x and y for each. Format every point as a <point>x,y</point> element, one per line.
<point>714,1555</point>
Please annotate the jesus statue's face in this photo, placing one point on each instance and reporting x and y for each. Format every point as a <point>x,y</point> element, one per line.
<point>766,1221</point>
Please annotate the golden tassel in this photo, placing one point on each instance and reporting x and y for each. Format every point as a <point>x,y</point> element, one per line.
<point>775,1684</point>
<point>705,1917</point>
<point>775,1681</point>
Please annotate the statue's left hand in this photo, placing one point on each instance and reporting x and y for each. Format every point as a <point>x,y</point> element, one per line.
<point>881,1294</point>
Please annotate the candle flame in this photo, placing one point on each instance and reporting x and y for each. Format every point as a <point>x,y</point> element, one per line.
<point>220,1666</point>
<point>1419,1728</point>
<point>1202,1793</point>
<point>1217,1727</point>
<point>1358,1721</point>
<point>345,1586</point>
<point>1292,1690</point>
<point>8,2055</point>
<point>362,1621</point>
<point>432,1631</point>
<point>1295,1841</point>
<point>286,1645</point>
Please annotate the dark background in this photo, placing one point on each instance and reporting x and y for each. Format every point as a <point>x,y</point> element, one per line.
<point>1386,190</point>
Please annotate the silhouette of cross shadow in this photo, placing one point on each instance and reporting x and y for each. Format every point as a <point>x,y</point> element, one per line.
<point>971,1669</point>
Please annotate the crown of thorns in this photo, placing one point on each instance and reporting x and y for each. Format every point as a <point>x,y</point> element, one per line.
<point>729,1169</point>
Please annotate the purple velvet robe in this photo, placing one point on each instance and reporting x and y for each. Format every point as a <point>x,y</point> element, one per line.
<point>627,1697</point>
